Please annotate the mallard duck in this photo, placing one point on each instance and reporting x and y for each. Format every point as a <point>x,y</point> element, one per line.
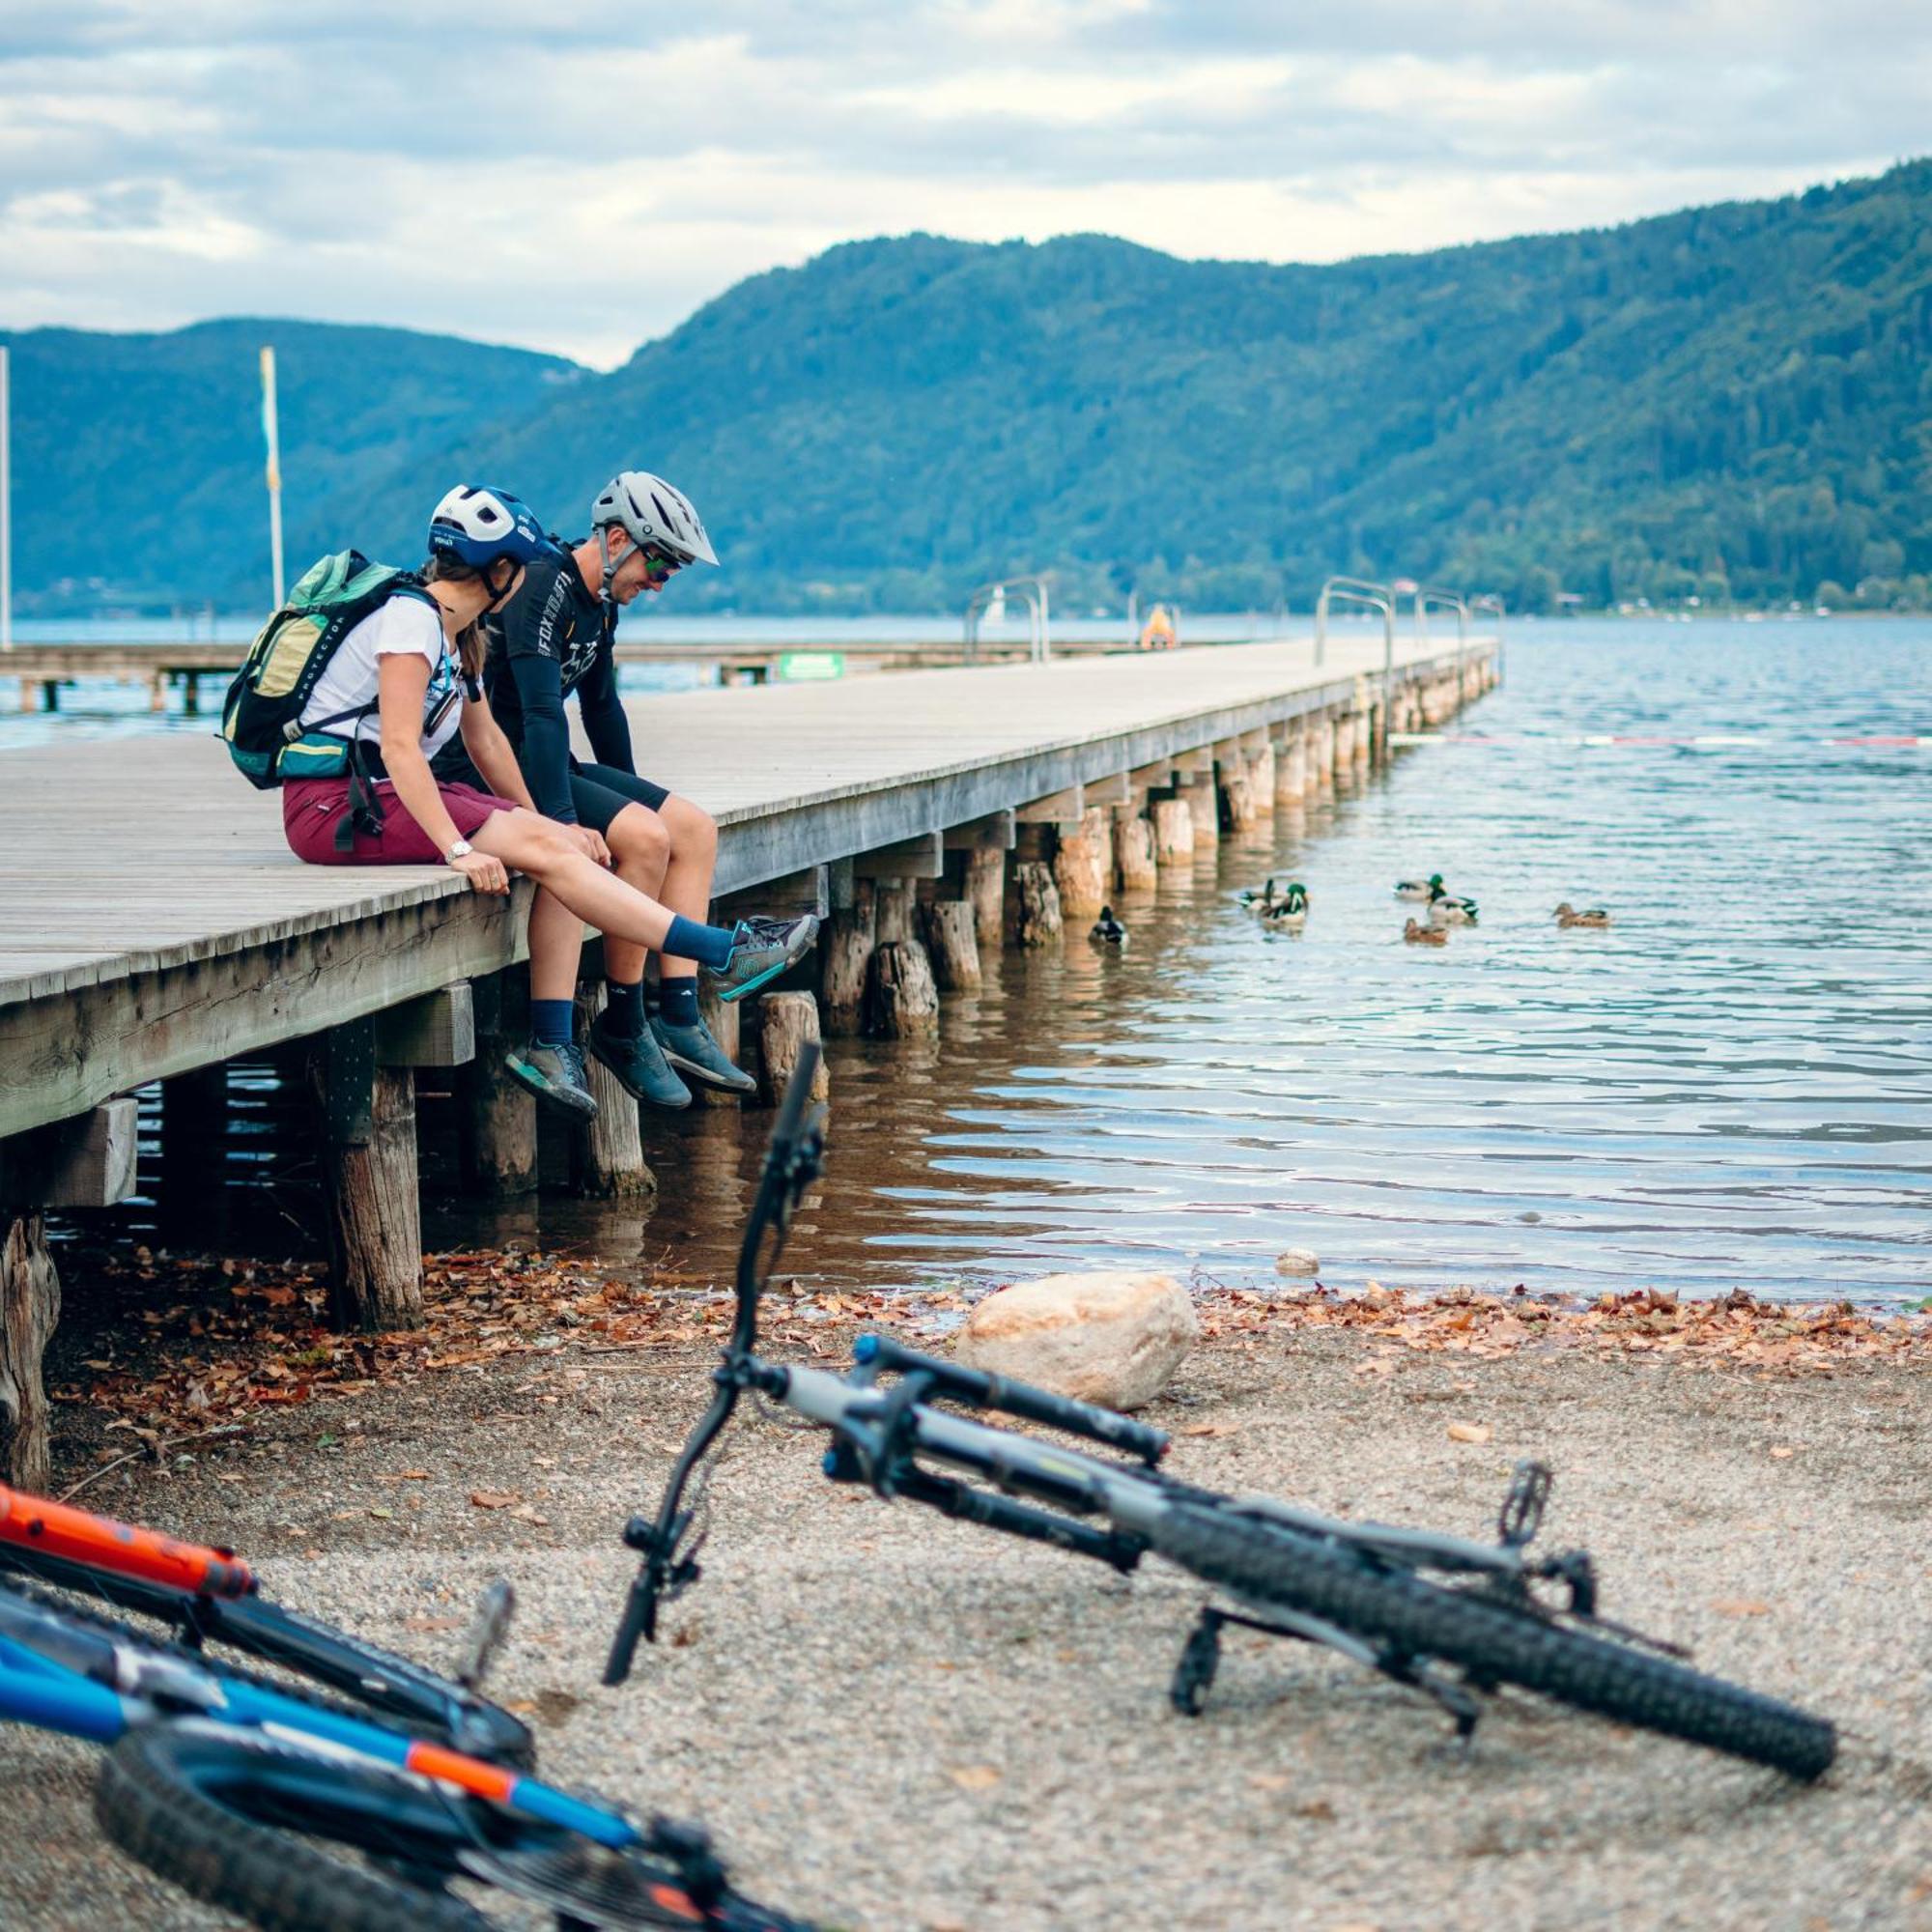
<point>1290,911</point>
<point>1258,900</point>
<point>1568,916</point>
<point>1418,934</point>
<point>1419,889</point>
<point>1451,909</point>
<point>1107,929</point>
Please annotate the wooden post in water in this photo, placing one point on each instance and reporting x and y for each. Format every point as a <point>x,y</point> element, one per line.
<point>787,1022</point>
<point>951,939</point>
<point>845,951</point>
<point>607,1154</point>
<point>1173,833</point>
<point>1261,781</point>
<point>722,1018</point>
<point>1291,767</point>
<point>902,1000</point>
<point>499,1119</point>
<point>371,1208</point>
<point>1033,906</point>
<point>1133,851</point>
<point>1081,863</point>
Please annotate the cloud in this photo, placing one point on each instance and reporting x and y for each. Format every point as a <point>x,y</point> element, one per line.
<point>582,189</point>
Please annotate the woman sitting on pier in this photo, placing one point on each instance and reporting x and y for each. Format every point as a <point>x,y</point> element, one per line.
<point>407,678</point>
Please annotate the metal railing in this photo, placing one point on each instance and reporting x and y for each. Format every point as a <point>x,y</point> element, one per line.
<point>1448,600</point>
<point>1350,590</point>
<point>1033,589</point>
<point>1490,601</point>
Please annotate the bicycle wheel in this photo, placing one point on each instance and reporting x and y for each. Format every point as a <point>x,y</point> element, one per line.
<point>302,1842</point>
<point>1493,1642</point>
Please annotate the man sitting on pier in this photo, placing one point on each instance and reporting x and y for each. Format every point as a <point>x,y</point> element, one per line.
<point>558,635</point>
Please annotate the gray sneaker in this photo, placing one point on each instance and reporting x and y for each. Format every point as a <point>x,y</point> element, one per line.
<point>698,1057</point>
<point>638,1065</point>
<point>557,1075</point>
<point>762,948</point>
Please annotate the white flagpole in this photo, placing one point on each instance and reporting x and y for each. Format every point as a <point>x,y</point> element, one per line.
<point>5,513</point>
<point>271,431</point>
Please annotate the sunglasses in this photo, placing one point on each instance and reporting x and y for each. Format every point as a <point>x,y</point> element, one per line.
<point>660,567</point>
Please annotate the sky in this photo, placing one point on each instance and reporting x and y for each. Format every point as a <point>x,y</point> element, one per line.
<point>476,169</point>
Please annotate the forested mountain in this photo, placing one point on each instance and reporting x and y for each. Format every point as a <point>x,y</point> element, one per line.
<point>138,460</point>
<point>1732,402</point>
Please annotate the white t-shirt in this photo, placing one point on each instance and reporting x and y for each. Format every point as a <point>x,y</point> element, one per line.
<point>406,625</point>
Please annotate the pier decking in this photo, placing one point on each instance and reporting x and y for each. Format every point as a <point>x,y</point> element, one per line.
<point>153,922</point>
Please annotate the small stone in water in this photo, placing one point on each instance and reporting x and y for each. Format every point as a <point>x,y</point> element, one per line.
<point>1298,1261</point>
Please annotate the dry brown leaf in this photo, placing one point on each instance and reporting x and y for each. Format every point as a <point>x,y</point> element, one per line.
<point>1271,1781</point>
<point>1209,1429</point>
<point>1740,1606</point>
<point>494,1499</point>
<point>1471,1431</point>
<point>1781,1455</point>
<point>973,1776</point>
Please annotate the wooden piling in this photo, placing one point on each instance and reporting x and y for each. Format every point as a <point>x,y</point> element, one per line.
<point>951,941</point>
<point>1260,781</point>
<point>1033,906</point>
<point>902,1000</point>
<point>30,1301</point>
<point>1081,863</point>
<point>722,1018</point>
<point>607,1154</point>
<point>986,889</point>
<point>500,1119</point>
<point>1133,852</point>
<point>845,952</point>
<point>371,1206</point>
<point>897,911</point>
<point>1291,769</point>
<point>1173,833</point>
<point>787,1022</point>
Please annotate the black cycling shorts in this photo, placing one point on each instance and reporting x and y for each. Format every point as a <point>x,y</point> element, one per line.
<point>600,792</point>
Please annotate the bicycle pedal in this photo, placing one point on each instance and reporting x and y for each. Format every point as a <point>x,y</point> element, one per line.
<point>1522,1515</point>
<point>488,1629</point>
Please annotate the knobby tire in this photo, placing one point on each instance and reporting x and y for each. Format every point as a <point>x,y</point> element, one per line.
<point>1495,1643</point>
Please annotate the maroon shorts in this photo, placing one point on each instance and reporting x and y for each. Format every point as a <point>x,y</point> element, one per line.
<point>313,808</point>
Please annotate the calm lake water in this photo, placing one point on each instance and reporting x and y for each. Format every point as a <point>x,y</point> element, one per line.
<point>1729,1088</point>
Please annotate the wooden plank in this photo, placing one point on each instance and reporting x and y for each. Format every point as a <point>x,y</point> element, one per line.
<point>88,1161</point>
<point>436,1030</point>
<point>994,833</point>
<point>1115,789</point>
<point>921,858</point>
<point>1059,807</point>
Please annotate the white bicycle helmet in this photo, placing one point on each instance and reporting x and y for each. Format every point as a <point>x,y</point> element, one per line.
<point>477,525</point>
<point>654,515</point>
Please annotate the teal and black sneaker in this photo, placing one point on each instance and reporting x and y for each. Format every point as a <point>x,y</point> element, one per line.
<point>557,1075</point>
<point>639,1063</point>
<point>762,948</point>
<point>693,1051</point>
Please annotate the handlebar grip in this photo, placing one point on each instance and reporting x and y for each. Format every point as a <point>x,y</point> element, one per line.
<point>983,1389</point>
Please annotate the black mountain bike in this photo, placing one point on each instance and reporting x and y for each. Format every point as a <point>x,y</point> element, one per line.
<point>1448,1616</point>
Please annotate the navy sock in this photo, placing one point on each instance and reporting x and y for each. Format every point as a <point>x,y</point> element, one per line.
<point>709,944</point>
<point>551,1022</point>
<point>624,1009</point>
<point>677,1000</point>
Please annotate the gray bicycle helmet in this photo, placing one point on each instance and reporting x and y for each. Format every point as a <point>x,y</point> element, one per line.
<point>653,514</point>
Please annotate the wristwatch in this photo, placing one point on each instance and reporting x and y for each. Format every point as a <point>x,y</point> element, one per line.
<point>460,850</point>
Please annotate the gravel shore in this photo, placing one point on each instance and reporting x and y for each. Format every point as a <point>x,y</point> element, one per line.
<point>894,1721</point>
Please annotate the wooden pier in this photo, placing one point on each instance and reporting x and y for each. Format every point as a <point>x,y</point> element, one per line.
<point>154,924</point>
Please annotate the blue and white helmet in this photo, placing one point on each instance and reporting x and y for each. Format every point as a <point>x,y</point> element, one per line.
<point>476,525</point>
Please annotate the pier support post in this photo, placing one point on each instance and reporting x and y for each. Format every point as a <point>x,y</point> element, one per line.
<point>607,1154</point>
<point>1291,769</point>
<point>1173,833</point>
<point>1344,729</point>
<point>30,1300</point>
<point>787,1022</point>
<point>901,1001</point>
<point>725,1021</point>
<point>499,1119</point>
<point>1133,851</point>
<point>1035,905</point>
<point>1202,798</point>
<point>986,893</point>
<point>1261,781</point>
<point>371,1206</point>
<point>896,905</point>
<point>951,939</point>
<point>846,952</point>
<point>1320,752</point>
<point>1081,865</point>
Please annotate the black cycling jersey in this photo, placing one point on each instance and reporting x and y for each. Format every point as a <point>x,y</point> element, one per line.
<point>556,636</point>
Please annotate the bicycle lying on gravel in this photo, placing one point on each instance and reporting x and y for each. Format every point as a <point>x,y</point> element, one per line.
<point>205,1597</point>
<point>1448,1616</point>
<point>299,1809</point>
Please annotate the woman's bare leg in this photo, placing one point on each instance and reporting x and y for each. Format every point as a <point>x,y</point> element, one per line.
<point>534,846</point>
<point>556,943</point>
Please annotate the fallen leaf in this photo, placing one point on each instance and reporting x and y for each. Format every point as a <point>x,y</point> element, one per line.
<point>1469,1432</point>
<point>973,1776</point>
<point>1209,1429</point>
<point>494,1499</point>
<point>1317,1810</point>
<point>1782,1455</point>
<point>1740,1606</point>
<point>1271,1781</point>
<point>384,1514</point>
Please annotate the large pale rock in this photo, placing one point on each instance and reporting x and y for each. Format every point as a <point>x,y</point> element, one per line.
<point>1112,1339</point>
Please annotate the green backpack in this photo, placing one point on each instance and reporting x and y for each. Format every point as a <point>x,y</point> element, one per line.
<point>261,717</point>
